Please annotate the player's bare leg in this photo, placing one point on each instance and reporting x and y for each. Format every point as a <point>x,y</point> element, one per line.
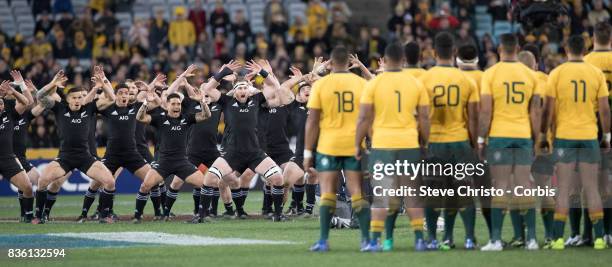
<point>217,172</point>
<point>23,184</point>
<point>272,174</point>
<point>52,192</point>
<point>565,175</point>
<point>526,205</point>
<point>240,193</point>
<point>361,207</point>
<point>590,182</point>
<point>151,179</point>
<point>311,186</point>
<point>328,181</point>
<point>100,173</point>
<point>547,205</point>
<point>52,172</point>
<point>293,177</point>
<point>500,175</point>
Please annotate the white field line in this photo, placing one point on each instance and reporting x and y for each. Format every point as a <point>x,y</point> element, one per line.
<point>169,239</point>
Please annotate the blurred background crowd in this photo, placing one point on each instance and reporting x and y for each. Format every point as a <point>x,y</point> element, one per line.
<point>135,39</point>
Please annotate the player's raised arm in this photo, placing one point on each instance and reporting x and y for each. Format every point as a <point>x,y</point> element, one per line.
<point>205,113</point>
<point>210,88</point>
<point>44,95</point>
<point>22,101</point>
<point>176,84</point>
<point>142,115</point>
<point>18,80</point>
<point>356,63</point>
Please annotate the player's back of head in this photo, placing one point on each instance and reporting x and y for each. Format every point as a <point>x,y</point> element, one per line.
<point>340,56</point>
<point>527,58</point>
<point>575,45</point>
<point>394,53</point>
<point>443,45</point>
<point>467,52</point>
<point>601,32</point>
<point>412,52</point>
<point>508,43</point>
<point>534,50</point>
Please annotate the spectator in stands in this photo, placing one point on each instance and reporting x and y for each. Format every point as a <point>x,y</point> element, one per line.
<point>44,23</point>
<point>220,44</point>
<point>62,6</point>
<point>41,139</point>
<point>578,17</point>
<point>84,23</point>
<point>204,50</point>
<point>299,26</point>
<point>498,10</point>
<point>197,15</point>
<point>273,7</point>
<point>278,26</point>
<point>599,13</point>
<point>40,46</point>
<point>219,19</point>
<point>241,30</point>
<point>40,6</point>
<point>339,8</point>
<point>81,46</point>
<point>316,15</point>
<point>317,39</point>
<point>181,32</point>
<point>444,20</point>
<point>118,45</point>
<point>97,6</point>
<point>61,47</point>
<point>465,34</point>
<point>158,33</point>
<point>139,35</point>
<point>106,23</point>
<point>65,21</point>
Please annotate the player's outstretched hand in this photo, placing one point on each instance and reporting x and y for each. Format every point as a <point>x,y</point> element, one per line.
<point>17,78</point>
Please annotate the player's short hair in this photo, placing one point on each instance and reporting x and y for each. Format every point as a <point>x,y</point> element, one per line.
<point>75,90</point>
<point>412,52</point>
<point>394,52</point>
<point>302,85</point>
<point>467,52</point>
<point>340,55</point>
<point>173,95</point>
<point>121,86</point>
<point>601,32</point>
<point>535,51</point>
<point>508,42</point>
<point>575,45</point>
<point>527,58</point>
<point>443,45</point>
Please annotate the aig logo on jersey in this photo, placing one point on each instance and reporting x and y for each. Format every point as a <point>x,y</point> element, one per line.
<point>272,110</point>
<point>4,122</point>
<point>20,123</point>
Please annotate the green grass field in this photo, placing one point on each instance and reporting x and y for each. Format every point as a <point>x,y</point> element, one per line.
<point>303,232</point>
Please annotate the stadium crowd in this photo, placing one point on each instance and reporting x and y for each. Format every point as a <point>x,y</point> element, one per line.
<point>78,39</point>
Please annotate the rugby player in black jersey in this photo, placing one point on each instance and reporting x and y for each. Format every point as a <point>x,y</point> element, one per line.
<point>10,168</point>
<point>20,133</point>
<point>73,117</point>
<point>173,128</point>
<point>299,113</point>
<point>121,153</point>
<point>275,122</point>
<point>241,115</point>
